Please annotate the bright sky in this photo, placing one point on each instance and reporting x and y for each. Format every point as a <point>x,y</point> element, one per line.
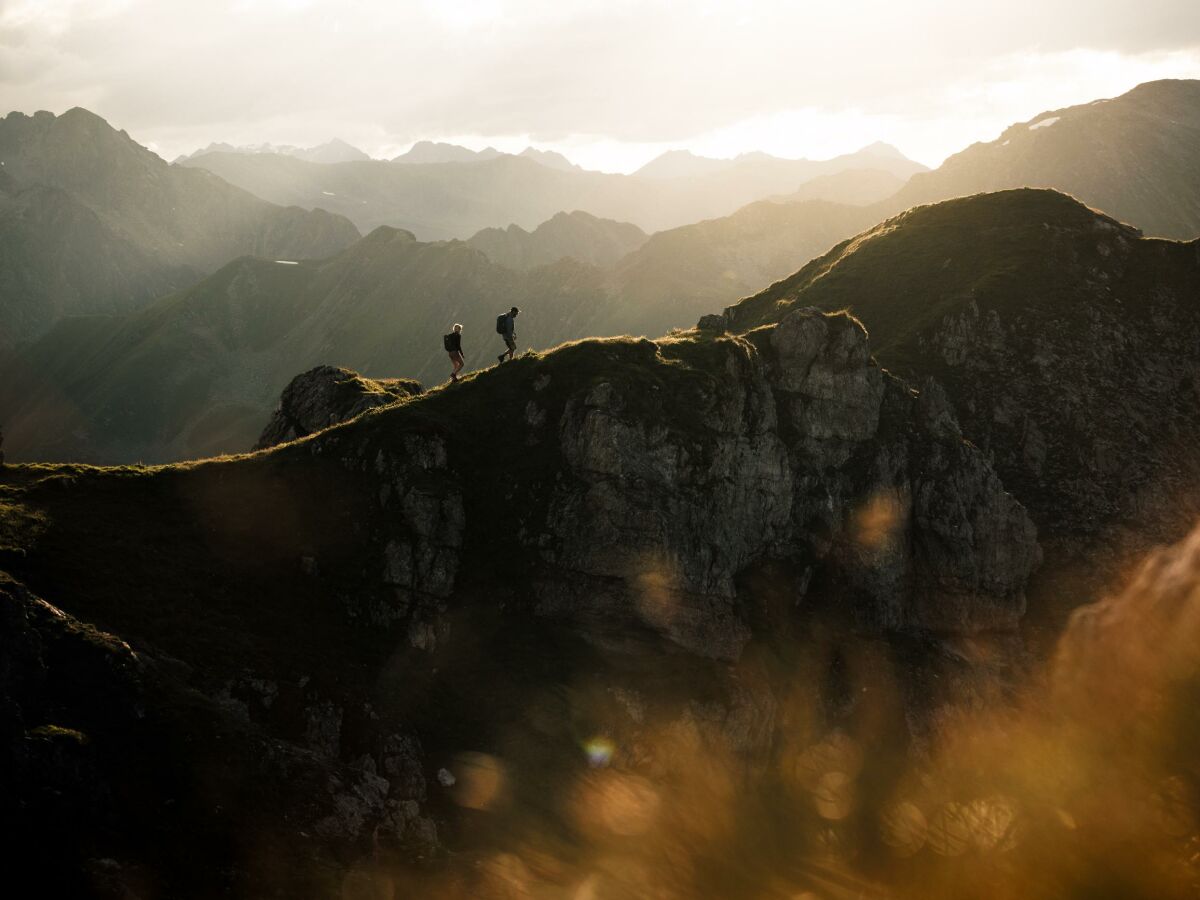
<point>611,83</point>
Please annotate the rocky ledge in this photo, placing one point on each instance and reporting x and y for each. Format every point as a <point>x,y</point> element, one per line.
<point>326,395</point>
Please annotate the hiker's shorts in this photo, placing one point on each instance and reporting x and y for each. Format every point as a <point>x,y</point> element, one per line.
<point>511,344</point>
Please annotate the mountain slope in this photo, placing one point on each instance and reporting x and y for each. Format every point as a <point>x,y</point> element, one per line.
<point>94,223</point>
<point>578,235</point>
<point>1136,157</point>
<point>1067,344</point>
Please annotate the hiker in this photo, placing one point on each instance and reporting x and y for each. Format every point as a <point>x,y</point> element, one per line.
<point>506,327</point>
<point>453,344</point>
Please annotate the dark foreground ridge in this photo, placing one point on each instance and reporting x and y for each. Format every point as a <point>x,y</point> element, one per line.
<point>633,511</point>
<point>674,597</point>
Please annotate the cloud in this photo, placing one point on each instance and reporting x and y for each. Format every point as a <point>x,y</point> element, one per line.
<point>799,78</point>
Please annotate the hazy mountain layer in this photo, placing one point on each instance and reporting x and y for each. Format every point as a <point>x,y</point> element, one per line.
<point>441,200</point>
<point>857,187</point>
<point>332,151</point>
<point>428,152</point>
<point>685,164</point>
<point>91,222</point>
<point>577,235</point>
<point>698,267</point>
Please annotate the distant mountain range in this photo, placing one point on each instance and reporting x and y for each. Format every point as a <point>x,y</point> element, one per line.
<point>455,192</point>
<point>333,151</point>
<point>92,222</point>
<point>685,164</point>
<point>578,235</point>
<point>431,152</point>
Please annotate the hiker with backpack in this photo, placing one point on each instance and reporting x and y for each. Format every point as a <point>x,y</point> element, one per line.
<point>506,328</point>
<point>453,344</point>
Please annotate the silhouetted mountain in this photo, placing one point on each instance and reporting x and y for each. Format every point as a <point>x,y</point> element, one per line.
<point>440,200</point>
<point>600,242</point>
<point>1136,157</point>
<point>91,222</point>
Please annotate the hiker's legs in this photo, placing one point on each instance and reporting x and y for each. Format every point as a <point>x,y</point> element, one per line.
<point>457,360</point>
<point>512,348</point>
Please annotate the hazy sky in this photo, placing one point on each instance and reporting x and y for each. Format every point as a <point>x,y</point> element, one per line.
<point>611,83</point>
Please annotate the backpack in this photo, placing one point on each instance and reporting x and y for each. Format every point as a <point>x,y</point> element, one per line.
<point>448,341</point>
<point>502,323</point>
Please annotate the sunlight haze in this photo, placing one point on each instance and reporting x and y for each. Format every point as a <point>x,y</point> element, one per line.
<point>609,84</point>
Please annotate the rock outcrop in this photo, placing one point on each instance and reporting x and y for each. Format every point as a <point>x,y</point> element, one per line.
<point>325,396</point>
